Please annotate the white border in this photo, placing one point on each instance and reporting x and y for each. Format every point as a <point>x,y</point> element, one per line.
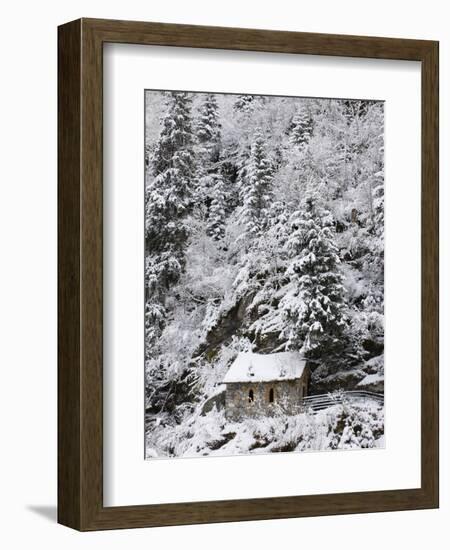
<point>128,478</point>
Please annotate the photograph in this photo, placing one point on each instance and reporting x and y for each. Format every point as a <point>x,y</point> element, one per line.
<point>264,274</point>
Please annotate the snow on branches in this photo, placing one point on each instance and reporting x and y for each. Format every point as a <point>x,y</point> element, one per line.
<point>314,309</point>
<point>264,230</point>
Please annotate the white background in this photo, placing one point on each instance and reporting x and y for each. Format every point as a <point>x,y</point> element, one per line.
<point>128,479</point>
<point>28,274</point>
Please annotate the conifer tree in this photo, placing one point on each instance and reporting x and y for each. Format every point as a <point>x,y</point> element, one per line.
<point>378,203</point>
<point>242,163</point>
<point>208,126</point>
<point>208,133</point>
<point>244,103</point>
<point>376,260</point>
<point>217,209</point>
<point>168,204</point>
<point>314,310</point>
<point>300,133</point>
<point>257,187</point>
<point>268,281</point>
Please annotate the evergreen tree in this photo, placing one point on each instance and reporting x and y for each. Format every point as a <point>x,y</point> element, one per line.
<point>244,103</point>
<point>208,133</point>
<point>168,204</point>
<point>374,262</point>
<point>241,166</point>
<point>208,126</point>
<point>268,280</point>
<point>300,133</point>
<point>217,209</point>
<point>378,207</point>
<point>314,310</point>
<point>378,204</point>
<point>257,188</point>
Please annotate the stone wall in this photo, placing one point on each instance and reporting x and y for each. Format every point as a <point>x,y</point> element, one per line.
<point>287,395</point>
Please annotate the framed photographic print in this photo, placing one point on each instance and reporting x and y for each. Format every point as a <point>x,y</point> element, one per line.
<point>248,274</point>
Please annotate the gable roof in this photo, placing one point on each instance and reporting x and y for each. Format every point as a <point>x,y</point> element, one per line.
<point>255,367</point>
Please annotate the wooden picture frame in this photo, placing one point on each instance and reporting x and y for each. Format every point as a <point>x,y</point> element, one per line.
<point>80,271</point>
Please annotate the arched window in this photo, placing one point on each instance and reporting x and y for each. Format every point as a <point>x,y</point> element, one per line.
<point>271,395</point>
<point>251,396</point>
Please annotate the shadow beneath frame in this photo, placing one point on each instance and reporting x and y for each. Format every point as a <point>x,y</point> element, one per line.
<point>47,512</point>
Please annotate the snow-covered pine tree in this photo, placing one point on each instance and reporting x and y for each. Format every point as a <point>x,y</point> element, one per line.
<point>300,133</point>
<point>168,204</point>
<point>241,167</point>
<point>377,243</point>
<point>208,125</point>
<point>244,103</point>
<point>217,209</point>
<point>378,206</point>
<point>256,189</point>
<point>208,134</point>
<point>314,309</point>
<point>269,280</point>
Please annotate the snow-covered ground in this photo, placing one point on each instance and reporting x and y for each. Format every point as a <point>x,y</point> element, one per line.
<point>336,428</point>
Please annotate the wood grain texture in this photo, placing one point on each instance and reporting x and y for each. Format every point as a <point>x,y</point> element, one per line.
<point>430,273</point>
<point>80,241</point>
<point>69,244</point>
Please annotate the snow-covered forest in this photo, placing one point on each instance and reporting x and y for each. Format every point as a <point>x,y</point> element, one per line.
<point>264,231</point>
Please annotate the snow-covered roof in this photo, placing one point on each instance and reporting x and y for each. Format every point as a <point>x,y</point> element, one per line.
<point>255,367</point>
<point>371,379</point>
